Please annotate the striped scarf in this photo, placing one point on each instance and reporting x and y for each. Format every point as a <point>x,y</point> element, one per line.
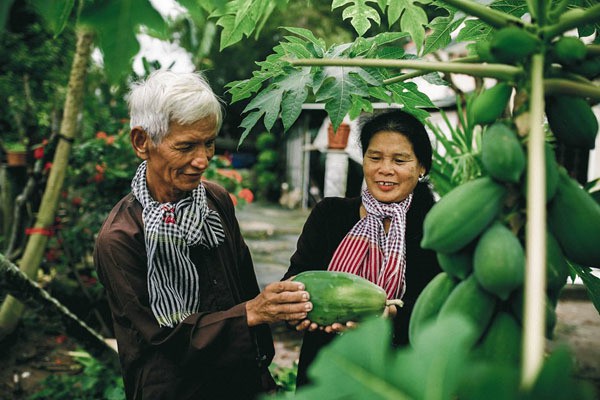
<point>170,229</point>
<point>368,252</point>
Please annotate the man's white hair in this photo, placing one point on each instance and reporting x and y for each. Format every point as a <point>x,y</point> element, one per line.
<point>167,96</point>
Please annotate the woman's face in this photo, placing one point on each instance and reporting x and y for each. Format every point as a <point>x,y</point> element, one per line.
<point>176,165</point>
<point>390,167</point>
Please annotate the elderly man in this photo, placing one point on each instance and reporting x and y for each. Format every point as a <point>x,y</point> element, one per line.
<point>189,318</point>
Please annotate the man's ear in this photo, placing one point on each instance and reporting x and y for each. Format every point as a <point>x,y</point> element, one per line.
<point>140,141</point>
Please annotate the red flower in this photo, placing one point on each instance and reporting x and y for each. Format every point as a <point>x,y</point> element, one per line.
<point>100,168</point>
<point>38,152</point>
<point>230,173</point>
<point>60,339</point>
<point>76,201</point>
<point>101,135</point>
<point>47,166</point>
<point>110,140</point>
<point>233,199</point>
<point>98,178</point>
<point>247,195</point>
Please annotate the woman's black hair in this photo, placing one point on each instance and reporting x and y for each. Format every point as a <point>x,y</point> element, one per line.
<point>403,123</point>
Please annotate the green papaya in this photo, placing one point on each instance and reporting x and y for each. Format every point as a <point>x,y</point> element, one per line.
<point>572,121</point>
<point>482,49</point>
<point>429,302</point>
<point>516,308</point>
<point>551,173</point>
<point>574,220</point>
<point>568,50</point>
<point>501,343</point>
<point>462,214</point>
<point>502,154</point>
<point>341,296</point>
<point>489,105</point>
<point>459,264</point>
<point>557,270</point>
<point>470,300</point>
<point>499,261</point>
<point>512,44</point>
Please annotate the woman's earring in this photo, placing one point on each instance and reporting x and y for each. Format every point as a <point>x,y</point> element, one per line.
<point>422,178</point>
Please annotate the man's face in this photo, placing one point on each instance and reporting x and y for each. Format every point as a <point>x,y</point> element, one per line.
<point>176,165</point>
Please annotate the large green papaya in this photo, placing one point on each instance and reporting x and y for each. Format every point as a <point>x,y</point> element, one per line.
<point>502,341</point>
<point>470,300</point>
<point>572,121</point>
<point>502,154</point>
<point>429,302</point>
<point>512,44</point>
<point>489,105</point>
<point>341,297</point>
<point>568,50</point>
<point>574,220</point>
<point>499,261</point>
<point>459,264</point>
<point>462,214</point>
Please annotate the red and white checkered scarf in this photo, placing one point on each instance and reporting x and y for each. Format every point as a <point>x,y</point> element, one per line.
<point>368,252</point>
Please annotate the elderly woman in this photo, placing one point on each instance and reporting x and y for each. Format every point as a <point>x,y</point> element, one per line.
<point>377,235</point>
<point>189,320</point>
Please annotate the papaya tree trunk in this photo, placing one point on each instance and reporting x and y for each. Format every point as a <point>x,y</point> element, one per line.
<point>29,293</point>
<point>535,271</point>
<point>11,309</point>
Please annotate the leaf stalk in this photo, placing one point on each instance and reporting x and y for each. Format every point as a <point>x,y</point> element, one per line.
<point>498,71</point>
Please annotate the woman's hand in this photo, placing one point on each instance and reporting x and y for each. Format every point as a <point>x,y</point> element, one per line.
<point>280,301</point>
<point>313,326</point>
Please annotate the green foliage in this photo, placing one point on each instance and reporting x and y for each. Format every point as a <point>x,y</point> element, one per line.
<point>285,377</point>
<point>116,36</point>
<point>287,87</point>
<point>95,381</point>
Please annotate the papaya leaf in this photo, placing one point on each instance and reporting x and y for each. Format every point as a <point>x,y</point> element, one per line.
<point>295,87</point>
<point>474,30</point>
<point>363,372</point>
<point>434,372</point>
<point>359,14</point>
<point>359,104</point>
<point>268,103</point>
<point>516,8</point>
<point>442,27</point>
<point>306,34</point>
<point>363,361</point>
<point>243,89</point>
<point>116,23</point>
<point>338,87</point>
<point>590,281</point>
<point>408,93</point>
<point>412,19</point>
<point>55,13</point>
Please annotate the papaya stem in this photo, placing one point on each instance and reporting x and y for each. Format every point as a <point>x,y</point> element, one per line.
<point>498,71</point>
<point>593,49</point>
<point>571,20</point>
<point>394,302</point>
<point>415,74</point>
<point>535,270</point>
<point>564,86</point>
<point>495,18</point>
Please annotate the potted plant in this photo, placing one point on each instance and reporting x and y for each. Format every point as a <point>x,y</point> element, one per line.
<point>16,153</point>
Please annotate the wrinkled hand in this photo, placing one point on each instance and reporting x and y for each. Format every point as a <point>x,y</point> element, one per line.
<point>280,301</point>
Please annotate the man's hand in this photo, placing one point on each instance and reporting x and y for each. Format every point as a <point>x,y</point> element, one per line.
<point>280,301</point>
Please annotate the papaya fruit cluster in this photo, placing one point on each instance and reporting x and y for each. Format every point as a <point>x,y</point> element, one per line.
<point>480,244</point>
<point>570,118</point>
